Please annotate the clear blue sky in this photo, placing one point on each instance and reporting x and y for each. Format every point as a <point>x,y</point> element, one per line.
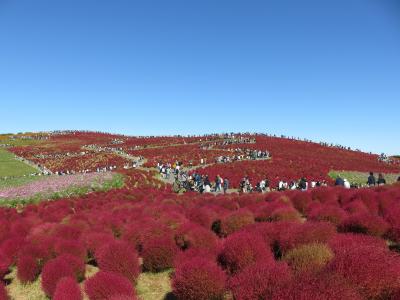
<point>325,70</point>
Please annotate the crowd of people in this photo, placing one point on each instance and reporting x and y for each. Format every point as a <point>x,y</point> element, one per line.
<point>228,140</point>
<point>202,184</point>
<point>371,181</point>
<point>246,154</point>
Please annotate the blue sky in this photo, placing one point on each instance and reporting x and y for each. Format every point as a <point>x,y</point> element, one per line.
<point>324,70</point>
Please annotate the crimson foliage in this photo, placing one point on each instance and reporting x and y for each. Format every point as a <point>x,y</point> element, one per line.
<point>199,279</point>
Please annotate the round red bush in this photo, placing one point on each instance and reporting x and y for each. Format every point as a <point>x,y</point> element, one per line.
<point>53,271</point>
<point>199,279</point>
<point>260,281</point>
<point>374,271</point>
<point>76,263</point>
<point>241,250</point>
<point>3,293</point>
<point>68,289</point>
<point>365,223</point>
<point>325,195</point>
<point>285,214</point>
<point>27,269</point>
<point>95,240</point>
<point>11,247</point>
<point>301,200</point>
<point>159,254</point>
<point>195,236</point>
<point>75,248</point>
<point>343,241</point>
<point>119,257</point>
<point>235,221</point>
<point>329,213</point>
<point>105,285</point>
<point>5,263</point>
<point>317,286</point>
<point>309,232</point>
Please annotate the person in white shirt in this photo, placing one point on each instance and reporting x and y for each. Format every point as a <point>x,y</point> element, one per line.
<point>346,184</point>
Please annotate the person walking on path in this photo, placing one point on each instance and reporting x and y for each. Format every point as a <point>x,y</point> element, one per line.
<point>371,179</point>
<point>339,181</point>
<point>381,179</point>
<point>226,185</point>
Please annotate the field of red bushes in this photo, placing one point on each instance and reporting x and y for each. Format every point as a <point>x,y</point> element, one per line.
<point>291,159</point>
<point>329,243</point>
<point>325,243</point>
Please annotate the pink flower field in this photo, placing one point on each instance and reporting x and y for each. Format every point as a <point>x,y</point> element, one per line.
<point>54,184</point>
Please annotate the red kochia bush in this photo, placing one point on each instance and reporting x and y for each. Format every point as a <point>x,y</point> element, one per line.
<point>53,271</point>
<point>325,195</point>
<point>119,257</point>
<point>71,247</point>
<point>94,240</point>
<point>27,269</point>
<point>5,263</point>
<point>38,251</point>
<point>11,247</point>
<point>301,200</point>
<point>328,213</point>
<point>195,236</point>
<point>76,263</point>
<point>317,286</point>
<point>260,281</point>
<point>235,221</point>
<point>202,216</point>
<point>3,292</point>
<point>364,223</point>
<point>308,232</point>
<point>241,250</point>
<point>199,279</point>
<point>105,285</point>
<point>373,270</point>
<point>159,254</point>
<point>68,289</point>
<point>285,214</point>
<point>343,241</point>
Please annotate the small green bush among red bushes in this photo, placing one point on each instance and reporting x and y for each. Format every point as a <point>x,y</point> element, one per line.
<point>309,257</point>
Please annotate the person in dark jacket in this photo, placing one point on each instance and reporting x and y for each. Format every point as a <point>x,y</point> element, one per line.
<point>339,181</point>
<point>371,179</point>
<point>398,179</point>
<point>381,179</point>
<point>226,185</point>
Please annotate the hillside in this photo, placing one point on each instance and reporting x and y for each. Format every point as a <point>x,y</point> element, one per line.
<point>290,159</point>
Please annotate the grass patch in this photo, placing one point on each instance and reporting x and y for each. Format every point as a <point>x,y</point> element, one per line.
<point>29,291</point>
<point>9,166</point>
<point>361,177</point>
<point>154,286</point>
